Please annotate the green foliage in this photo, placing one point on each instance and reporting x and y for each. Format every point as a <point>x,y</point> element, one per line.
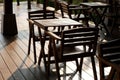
<point>1,1</point>
<point>20,0</point>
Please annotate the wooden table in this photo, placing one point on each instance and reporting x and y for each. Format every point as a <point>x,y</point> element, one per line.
<point>44,24</point>
<point>99,9</point>
<point>56,22</point>
<point>94,4</point>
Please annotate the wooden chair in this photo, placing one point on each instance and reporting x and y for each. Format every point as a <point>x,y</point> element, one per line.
<point>109,52</point>
<point>114,74</point>
<point>41,14</point>
<point>74,12</point>
<point>35,36</point>
<point>69,48</point>
<point>36,15</point>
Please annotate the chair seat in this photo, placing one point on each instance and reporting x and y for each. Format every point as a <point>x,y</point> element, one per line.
<point>72,50</point>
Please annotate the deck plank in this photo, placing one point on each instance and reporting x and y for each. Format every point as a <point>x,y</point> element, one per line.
<point>4,68</point>
<point>13,60</point>
<point>1,76</point>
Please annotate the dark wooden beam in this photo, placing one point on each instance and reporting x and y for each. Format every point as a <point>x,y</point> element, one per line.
<point>18,2</point>
<point>9,26</point>
<point>29,4</point>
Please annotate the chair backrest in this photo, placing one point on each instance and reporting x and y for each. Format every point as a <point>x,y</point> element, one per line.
<point>109,51</point>
<point>69,10</point>
<point>38,15</point>
<point>41,14</point>
<point>80,37</point>
<point>64,9</point>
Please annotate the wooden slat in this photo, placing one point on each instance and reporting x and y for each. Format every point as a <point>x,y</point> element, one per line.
<point>1,76</point>
<point>4,69</point>
<point>14,64</point>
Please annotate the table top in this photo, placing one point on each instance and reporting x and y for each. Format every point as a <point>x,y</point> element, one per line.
<point>57,22</point>
<point>94,4</point>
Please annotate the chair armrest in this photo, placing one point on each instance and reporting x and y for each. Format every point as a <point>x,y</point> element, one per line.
<point>31,21</point>
<point>54,36</point>
<point>112,42</point>
<point>116,67</point>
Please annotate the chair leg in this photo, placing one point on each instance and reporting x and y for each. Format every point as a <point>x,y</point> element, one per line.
<point>57,69</point>
<point>48,62</point>
<point>40,58</point>
<point>57,66</point>
<point>29,45</point>
<point>113,25</point>
<point>94,68</point>
<point>101,70</point>
<point>44,58</point>
<point>80,68</point>
<point>34,48</point>
<point>87,23</point>
<point>118,75</point>
<point>111,74</point>
<point>64,72</point>
<point>53,46</point>
<point>42,54</point>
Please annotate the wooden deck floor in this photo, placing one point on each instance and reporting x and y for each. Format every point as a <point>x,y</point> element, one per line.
<point>14,62</point>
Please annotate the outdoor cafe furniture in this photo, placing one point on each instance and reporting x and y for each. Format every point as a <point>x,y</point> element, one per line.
<point>109,56</point>
<point>113,16</point>
<point>33,34</point>
<point>48,23</point>
<point>115,70</point>
<point>74,12</point>
<point>97,12</point>
<point>74,43</point>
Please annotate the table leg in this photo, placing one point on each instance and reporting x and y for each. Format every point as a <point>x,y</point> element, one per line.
<point>101,19</point>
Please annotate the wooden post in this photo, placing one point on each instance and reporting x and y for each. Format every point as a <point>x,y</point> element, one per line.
<point>9,26</point>
<point>44,7</point>
<point>38,1</point>
<point>18,2</point>
<point>29,4</point>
